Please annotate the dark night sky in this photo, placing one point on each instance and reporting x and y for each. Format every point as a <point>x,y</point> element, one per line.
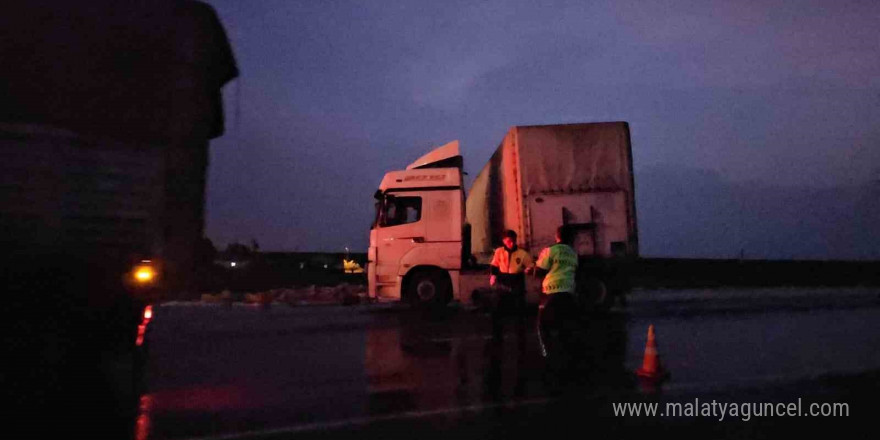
<point>755,124</point>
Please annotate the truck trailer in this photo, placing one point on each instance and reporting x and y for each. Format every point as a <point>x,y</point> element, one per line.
<point>430,241</point>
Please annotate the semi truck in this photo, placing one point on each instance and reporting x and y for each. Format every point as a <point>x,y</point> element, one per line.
<point>108,111</point>
<point>431,241</point>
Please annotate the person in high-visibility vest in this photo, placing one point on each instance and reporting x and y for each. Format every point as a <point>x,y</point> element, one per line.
<point>507,277</point>
<point>558,264</point>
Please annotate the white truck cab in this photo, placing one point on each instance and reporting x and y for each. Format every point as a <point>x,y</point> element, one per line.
<point>416,238</point>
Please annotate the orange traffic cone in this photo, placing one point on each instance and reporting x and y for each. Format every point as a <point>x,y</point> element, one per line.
<point>651,368</point>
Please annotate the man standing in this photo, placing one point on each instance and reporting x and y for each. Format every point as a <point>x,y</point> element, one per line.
<point>558,264</point>
<point>508,279</point>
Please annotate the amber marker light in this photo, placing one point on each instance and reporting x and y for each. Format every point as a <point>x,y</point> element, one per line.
<point>144,273</point>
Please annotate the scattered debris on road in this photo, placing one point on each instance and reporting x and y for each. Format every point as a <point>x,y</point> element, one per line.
<point>344,293</point>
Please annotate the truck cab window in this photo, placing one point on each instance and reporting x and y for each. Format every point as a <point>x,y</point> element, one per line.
<point>402,210</point>
<point>377,218</point>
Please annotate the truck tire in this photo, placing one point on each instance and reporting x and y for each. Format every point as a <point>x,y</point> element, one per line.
<point>594,296</point>
<point>429,287</point>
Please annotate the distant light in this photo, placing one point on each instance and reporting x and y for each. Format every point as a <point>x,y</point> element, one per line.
<point>232,264</point>
<point>148,313</point>
<point>302,265</point>
<point>325,266</point>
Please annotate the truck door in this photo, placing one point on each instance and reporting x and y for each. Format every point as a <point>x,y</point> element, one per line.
<point>400,228</point>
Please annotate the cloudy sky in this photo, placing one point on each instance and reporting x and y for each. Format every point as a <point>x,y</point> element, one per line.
<point>755,124</point>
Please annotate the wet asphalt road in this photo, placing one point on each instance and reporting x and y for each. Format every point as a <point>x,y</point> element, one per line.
<point>386,370</point>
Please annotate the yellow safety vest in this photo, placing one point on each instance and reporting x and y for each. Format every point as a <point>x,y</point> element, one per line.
<point>561,262</point>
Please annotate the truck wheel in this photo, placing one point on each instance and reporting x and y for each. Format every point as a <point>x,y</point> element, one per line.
<point>429,287</point>
<point>595,296</point>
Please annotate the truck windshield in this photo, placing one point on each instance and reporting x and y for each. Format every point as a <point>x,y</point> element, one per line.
<point>399,211</point>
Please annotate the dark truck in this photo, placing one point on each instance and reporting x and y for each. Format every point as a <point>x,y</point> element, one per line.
<point>107,111</point>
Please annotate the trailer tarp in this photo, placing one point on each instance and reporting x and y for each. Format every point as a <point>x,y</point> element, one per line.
<point>574,157</point>
<point>545,159</point>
